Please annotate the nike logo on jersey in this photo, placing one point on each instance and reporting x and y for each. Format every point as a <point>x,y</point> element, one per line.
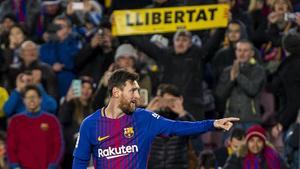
<point>102,138</point>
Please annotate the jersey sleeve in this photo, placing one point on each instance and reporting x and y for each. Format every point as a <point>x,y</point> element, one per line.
<point>163,126</point>
<point>83,145</point>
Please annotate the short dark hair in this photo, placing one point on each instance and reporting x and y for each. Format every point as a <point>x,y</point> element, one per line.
<point>119,78</point>
<point>169,89</point>
<point>64,18</point>
<point>237,133</point>
<point>248,42</point>
<point>31,87</point>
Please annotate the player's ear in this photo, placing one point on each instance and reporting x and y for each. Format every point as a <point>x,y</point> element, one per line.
<point>116,92</point>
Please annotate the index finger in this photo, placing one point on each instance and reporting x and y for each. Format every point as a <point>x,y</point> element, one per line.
<point>232,119</point>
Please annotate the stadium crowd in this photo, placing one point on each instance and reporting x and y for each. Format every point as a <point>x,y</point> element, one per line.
<point>249,69</point>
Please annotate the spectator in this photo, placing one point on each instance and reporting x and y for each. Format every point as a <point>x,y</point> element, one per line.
<point>241,84</point>
<point>15,105</point>
<point>273,52</point>
<point>182,65</point>
<point>60,53</point>
<point>207,160</point>
<point>237,13</point>
<point>7,22</point>
<point>26,12</point>
<point>169,152</point>
<point>224,57</point>
<point>3,98</point>
<point>232,146</point>
<point>11,54</point>
<point>34,138</point>
<point>258,11</point>
<point>10,57</point>
<point>125,58</point>
<point>258,154</point>
<point>72,112</point>
<point>30,61</point>
<point>96,56</point>
<point>285,83</point>
<point>50,9</point>
<point>3,159</point>
<point>274,133</point>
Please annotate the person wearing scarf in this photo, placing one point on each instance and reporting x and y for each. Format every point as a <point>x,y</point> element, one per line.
<point>259,154</point>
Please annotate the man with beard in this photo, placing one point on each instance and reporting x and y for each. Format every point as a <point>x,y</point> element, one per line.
<point>120,134</point>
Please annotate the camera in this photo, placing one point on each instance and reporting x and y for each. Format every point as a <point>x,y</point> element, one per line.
<point>290,17</point>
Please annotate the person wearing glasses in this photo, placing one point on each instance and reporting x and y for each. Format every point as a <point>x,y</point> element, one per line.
<point>34,137</point>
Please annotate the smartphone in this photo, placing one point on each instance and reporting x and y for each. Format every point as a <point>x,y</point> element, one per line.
<point>77,6</point>
<point>144,97</point>
<point>290,16</point>
<point>76,87</point>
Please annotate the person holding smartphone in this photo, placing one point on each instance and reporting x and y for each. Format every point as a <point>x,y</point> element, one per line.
<point>76,106</point>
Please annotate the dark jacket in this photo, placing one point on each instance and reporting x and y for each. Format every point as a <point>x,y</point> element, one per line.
<point>93,62</point>
<point>70,125</point>
<point>242,94</point>
<point>221,155</point>
<point>183,70</point>
<point>170,152</point>
<point>286,84</point>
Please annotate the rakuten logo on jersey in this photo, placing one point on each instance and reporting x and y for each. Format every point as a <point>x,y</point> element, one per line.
<point>111,153</point>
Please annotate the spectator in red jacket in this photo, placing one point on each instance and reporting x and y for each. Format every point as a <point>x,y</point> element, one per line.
<point>34,138</point>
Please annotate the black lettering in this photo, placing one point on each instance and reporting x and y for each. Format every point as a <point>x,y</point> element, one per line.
<point>156,18</point>
<point>168,17</point>
<point>147,19</point>
<point>212,13</point>
<point>128,20</point>
<point>190,13</point>
<point>179,16</point>
<point>138,19</point>
<point>201,15</point>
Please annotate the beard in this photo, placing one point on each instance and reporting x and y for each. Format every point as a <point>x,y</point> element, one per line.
<point>128,107</point>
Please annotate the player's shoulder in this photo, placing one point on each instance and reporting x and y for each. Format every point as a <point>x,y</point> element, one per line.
<point>91,118</point>
<point>144,113</point>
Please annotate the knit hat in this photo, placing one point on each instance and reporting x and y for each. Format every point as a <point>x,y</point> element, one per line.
<point>50,2</point>
<point>126,50</point>
<point>256,130</point>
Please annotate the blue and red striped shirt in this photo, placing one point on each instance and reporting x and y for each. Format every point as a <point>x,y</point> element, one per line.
<point>125,142</point>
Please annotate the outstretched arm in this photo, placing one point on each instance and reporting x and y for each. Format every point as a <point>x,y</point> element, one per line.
<point>165,126</point>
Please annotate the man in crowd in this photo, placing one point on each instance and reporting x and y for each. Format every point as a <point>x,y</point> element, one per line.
<point>34,138</point>
<point>241,84</point>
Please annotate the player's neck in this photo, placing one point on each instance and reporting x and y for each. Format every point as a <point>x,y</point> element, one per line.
<point>113,111</point>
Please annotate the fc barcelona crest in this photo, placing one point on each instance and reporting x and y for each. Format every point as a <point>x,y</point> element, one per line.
<point>128,132</point>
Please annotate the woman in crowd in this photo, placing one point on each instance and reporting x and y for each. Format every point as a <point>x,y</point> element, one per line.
<point>72,112</point>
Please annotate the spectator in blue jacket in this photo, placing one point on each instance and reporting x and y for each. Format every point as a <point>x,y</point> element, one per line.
<point>60,51</point>
<point>15,105</point>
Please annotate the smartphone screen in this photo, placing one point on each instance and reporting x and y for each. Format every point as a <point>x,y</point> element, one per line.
<point>76,87</point>
<point>144,97</point>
